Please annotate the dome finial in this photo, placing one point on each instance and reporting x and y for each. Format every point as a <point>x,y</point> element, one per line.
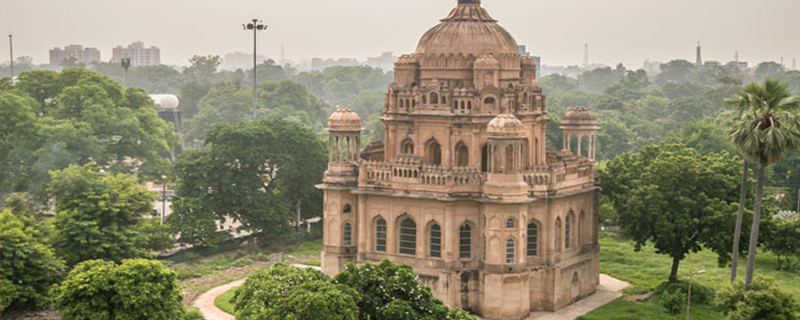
<point>469,1</point>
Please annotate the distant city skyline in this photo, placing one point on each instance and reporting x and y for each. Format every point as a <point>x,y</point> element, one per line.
<point>625,31</point>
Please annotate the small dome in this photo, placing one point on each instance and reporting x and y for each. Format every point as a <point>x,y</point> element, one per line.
<point>165,101</point>
<point>468,30</point>
<point>579,116</point>
<point>344,119</point>
<point>505,124</point>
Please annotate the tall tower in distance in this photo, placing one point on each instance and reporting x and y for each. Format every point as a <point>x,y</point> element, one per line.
<point>699,61</point>
<point>586,55</point>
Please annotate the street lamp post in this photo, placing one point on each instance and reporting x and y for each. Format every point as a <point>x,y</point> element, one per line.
<point>256,26</point>
<point>689,299</point>
<point>11,52</point>
<point>126,63</point>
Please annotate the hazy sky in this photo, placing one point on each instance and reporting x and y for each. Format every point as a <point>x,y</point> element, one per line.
<point>627,31</point>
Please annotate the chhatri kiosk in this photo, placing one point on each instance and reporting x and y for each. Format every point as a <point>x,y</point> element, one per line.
<point>464,188</point>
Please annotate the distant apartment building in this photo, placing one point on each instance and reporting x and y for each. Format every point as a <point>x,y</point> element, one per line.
<point>385,61</point>
<point>319,64</point>
<point>76,51</point>
<point>139,55</point>
<point>651,67</point>
<point>240,60</point>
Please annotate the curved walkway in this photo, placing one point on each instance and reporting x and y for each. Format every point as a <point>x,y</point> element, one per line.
<point>610,289</point>
<point>205,302</point>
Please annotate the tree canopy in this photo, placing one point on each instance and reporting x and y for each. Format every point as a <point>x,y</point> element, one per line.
<point>667,195</point>
<point>99,216</point>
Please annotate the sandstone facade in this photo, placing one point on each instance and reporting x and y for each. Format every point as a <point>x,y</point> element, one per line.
<point>463,188</point>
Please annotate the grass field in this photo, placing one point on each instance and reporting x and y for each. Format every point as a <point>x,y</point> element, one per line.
<point>645,270</point>
<point>223,301</point>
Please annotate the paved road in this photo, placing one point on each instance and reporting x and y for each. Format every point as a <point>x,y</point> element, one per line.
<point>610,289</point>
<point>205,302</point>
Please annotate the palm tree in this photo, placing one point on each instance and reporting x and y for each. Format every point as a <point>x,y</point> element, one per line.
<point>766,129</point>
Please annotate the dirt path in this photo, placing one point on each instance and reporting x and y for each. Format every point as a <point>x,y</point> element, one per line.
<point>205,302</point>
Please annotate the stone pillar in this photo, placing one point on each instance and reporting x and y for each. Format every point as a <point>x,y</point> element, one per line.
<point>361,211</point>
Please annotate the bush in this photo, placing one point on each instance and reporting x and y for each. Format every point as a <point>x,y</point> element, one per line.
<point>673,301</point>
<point>320,300</point>
<point>389,290</point>
<point>193,314</point>
<point>241,263</point>
<point>136,289</point>
<point>765,300</point>
<point>262,289</point>
<point>700,293</point>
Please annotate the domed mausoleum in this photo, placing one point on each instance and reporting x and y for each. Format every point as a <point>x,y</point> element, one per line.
<point>463,188</point>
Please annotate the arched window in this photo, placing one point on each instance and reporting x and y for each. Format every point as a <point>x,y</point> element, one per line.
<point>558,234</point>
<point>511,251</point>
<point>536,151</point>
<point>575,278</point>
<point>424,99</point>
<point>408,237</point>
<point>434,98</point>
<point>510,223</point>
<point>580,228</point>
<point>462,106</point>
<point>348,209</point>
<point>533,239</point>
<point>407,147</point>
<point>489,103</point>
<point>347,237</point>
<point>465,242</point>
<point>484,159</point>
<point>568,232</point>
<point>462,155</point>
<point>444,100</point>
<point>469,105</point>
<point>436,241</point>
<point>380,235</point>
<point>433,153</point>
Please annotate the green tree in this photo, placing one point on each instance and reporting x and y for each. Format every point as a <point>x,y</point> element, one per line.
<point>704,135</point>
<point>766,129</point>
<point>278,162</point>
<point>99,216</point>
<point>667,195</point>
<point>782,241</point>
<point>675,71</point>
<point>81,116</point>
<point>28,266</point>
<point>317,300</point>
<point>264,289</point>
<point>391,291</point>
<point>764,300</point>
<point>137,289</point>
<point>599,79</point>
<point>202,68</point>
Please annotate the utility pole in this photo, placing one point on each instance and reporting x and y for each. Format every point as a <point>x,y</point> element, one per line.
<point>256,26</point>
<point>11,51</point>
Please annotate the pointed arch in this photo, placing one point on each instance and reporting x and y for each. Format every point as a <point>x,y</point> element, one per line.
<point>434,98</point>
<point>462,154</point>
<point>435,240</point>
<point>347,234</point>
<point>407,146</point>
<point>533,239</point>
<point>511,251</point>
<point>407,243</point>
<point>569,234</point>
<point>558,235</point>
<point>433,152</point>
<point>380,234</point>
<point>465,241</point>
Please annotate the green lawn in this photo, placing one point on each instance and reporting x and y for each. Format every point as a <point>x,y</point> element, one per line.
<point>645,270</point>
<point>308,248</point>
<point>223,301</point>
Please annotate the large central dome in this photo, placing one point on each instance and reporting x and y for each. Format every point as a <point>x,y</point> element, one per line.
<point>467,30</point>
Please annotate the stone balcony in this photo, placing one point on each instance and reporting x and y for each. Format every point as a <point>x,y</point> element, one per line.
<point>408,175</point>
